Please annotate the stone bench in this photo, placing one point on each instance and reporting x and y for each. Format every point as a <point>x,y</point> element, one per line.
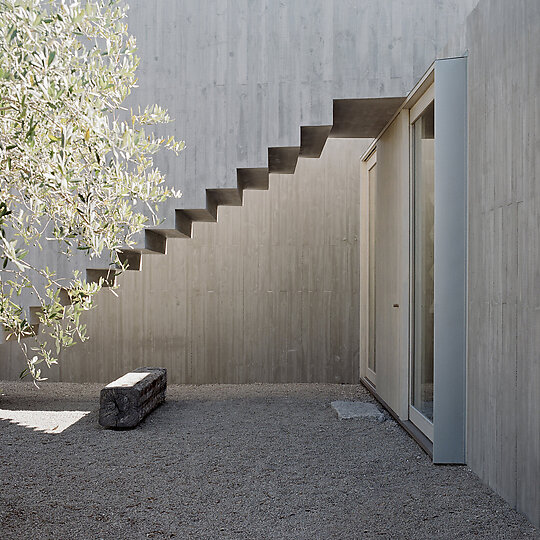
<point>124,403</point>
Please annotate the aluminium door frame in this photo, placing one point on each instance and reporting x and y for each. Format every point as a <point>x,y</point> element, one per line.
<point>415,416</point>
<point>367,163</point>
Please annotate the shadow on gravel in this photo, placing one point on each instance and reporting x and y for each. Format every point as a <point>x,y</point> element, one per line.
<point>225,462</point>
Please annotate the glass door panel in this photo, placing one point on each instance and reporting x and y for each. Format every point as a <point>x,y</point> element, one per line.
<point>372,360</point>
<point>423,263</point>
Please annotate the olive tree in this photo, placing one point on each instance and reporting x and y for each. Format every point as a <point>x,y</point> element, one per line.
<point>75,166</point>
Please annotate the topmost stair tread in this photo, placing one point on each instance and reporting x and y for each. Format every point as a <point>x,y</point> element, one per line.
<point>364,117</point>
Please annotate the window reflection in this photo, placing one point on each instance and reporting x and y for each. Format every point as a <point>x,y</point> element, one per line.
<point>423,261</point>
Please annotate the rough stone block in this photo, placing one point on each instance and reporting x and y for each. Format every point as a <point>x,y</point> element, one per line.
<point>124,403</point>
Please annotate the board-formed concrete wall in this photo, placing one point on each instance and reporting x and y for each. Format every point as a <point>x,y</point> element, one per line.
<point>239,76</point>
<point>242,75</point>
<point>269,293</point>
<point>503,377</point>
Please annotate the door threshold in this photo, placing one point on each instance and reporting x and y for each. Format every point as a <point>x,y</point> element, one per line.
<point>423,442</point>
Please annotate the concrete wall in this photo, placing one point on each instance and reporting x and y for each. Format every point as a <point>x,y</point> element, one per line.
<point>503,376</point>
<point>503,367</point>
<point>269,293</point>
<point>263,297</point>
<point>242,75</point>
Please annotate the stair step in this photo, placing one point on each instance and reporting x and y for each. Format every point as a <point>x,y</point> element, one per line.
<point>226,196</point>
<point>207,214</point>
<point>363,118</point>
<point>34,312</point>
<point>10,337</point>
<point>183,224</point>
<point>312,140</point>
<point>283,159</point>
<point>131,258</point>
<point>154,242</point>
<point>64,297</point>
<point>93,275</point>
<point>252,178</point>
<point>198,214</point>
<point>182,227</point>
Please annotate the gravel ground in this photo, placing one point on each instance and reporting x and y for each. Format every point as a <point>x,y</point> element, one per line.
<point>249,461</point>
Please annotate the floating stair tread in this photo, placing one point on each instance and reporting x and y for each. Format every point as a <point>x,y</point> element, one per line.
<point>145,251</point>
<point>252,178</point>
<point>168,233</point>
<point>363,118</point>
<point>312,140</point>
<point>132,258</point>
<point>95,274</point>
<point>283,159</point>
<point>154,241</point>
<point>198,214</point>
<point>10,337</point>
<point>64,297</point>
<point>34,312</point>
<point>226,196</point>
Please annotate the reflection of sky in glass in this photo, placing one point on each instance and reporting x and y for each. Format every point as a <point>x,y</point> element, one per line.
<point>424,197</point>
<point>44,421</point>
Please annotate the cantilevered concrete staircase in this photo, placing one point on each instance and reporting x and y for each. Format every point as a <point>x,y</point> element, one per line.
<point>352,118</point>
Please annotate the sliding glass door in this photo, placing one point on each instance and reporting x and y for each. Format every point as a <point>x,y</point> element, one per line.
<point>372,189</point>
<point>421,391</point>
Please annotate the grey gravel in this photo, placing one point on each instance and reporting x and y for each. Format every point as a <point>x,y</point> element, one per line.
<point>357,409</point>
<point>249,461</point>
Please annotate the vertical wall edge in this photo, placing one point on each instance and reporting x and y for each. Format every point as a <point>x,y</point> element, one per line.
<point>450,260</point>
